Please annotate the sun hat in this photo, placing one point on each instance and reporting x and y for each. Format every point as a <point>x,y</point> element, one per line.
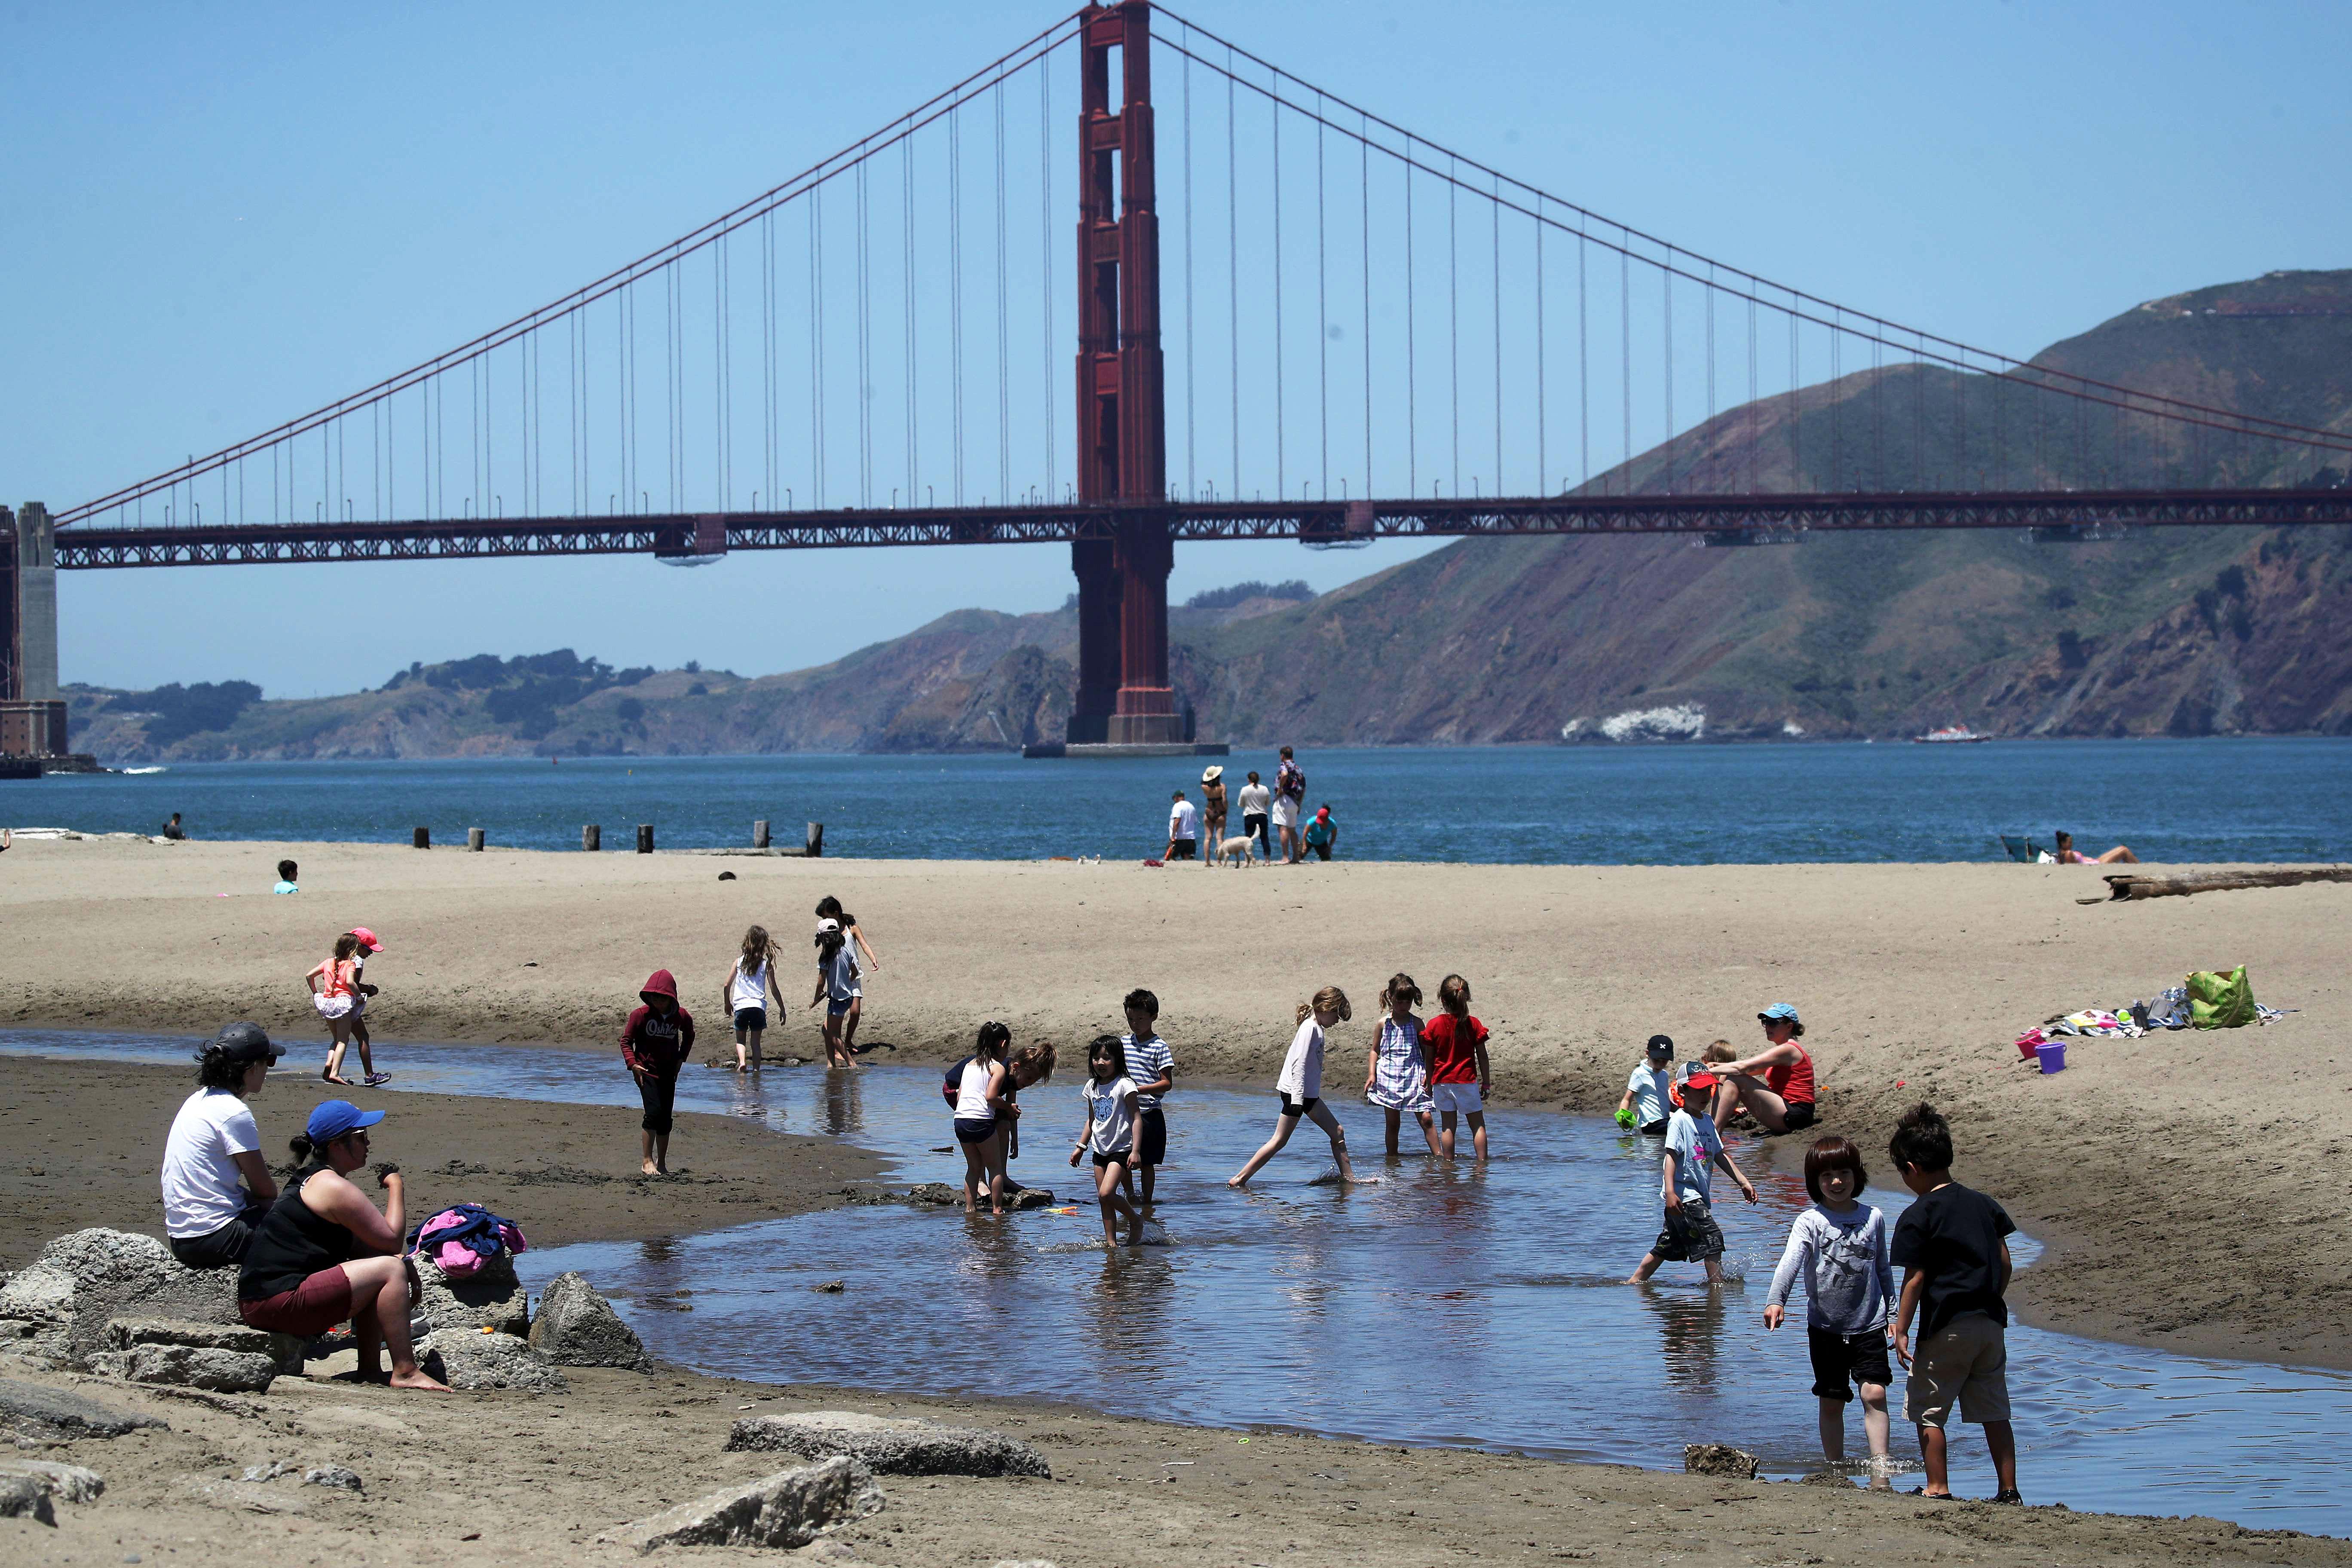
<point>1211,774</point>
<point>368,939</point>
<point>245,1042</point>
<point>338,1119</point>
<point>1779,1010</point>
<point>1661,1045</point>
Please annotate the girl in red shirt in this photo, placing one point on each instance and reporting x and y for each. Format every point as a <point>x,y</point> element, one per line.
<point>1459,1073</point>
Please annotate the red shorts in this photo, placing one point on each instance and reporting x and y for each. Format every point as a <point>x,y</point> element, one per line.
<point>313,1307</point>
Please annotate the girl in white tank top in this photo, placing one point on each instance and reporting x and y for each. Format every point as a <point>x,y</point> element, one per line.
<point>747,987</point>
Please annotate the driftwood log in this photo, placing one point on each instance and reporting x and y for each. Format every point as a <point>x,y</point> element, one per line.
<point>2146,885</point>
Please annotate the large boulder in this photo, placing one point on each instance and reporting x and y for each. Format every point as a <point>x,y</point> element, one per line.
<point>790,1509</point>
<point>889,1445</point>
<point>469,1358</point>
<point>491,1298</point>
<point>54,1416</point>
<point>577,1327</point>
<point>57,1309</point>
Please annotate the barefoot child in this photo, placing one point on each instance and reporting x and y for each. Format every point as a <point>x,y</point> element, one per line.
<point>836,987</point>
<point>655,1043</point>
<point>1839,1247</point>
<point>749,986</point>
<point>1031,1064</point>
<point>1153,1067</point>
<point>1396,1069</point>
<point>1693,1145</point>
<point>1644,1108</point>
<point>1459,1075</point>
<point>1110,1134</point>
<point>1300,1086</point>
<point>862,963</point>
<point>1954,1249</point>
<point>981,1116</point>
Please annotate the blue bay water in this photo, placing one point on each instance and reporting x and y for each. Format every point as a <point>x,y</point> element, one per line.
<point>2248,799</point>
<point>1450,1306</point>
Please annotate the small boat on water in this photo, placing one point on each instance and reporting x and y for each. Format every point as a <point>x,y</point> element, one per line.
<point>1950,734</point>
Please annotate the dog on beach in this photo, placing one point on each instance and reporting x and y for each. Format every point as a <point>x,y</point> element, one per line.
<point>1239,850</point>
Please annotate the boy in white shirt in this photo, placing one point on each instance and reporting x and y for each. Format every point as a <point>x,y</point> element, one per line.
<point>1646,1104</point>
<point>1693,1145</point>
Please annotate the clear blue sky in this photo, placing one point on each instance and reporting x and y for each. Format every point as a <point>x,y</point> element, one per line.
<point>219,217</point>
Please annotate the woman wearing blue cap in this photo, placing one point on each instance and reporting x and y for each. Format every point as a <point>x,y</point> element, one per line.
<point>1782,1100</point>
<point>326,1256</point>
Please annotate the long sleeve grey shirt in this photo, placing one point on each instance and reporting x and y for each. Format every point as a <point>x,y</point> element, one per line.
<point>1842,1257</point>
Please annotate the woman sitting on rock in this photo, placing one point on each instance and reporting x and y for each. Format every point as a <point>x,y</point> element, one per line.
<point>216,1187</point>
<point>325,1254</point>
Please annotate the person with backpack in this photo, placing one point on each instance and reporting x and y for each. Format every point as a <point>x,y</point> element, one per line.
<point>1290,800</point>
<point>975,1087</point>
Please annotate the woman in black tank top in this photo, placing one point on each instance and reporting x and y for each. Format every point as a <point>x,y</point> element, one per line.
<point>326,1254</point>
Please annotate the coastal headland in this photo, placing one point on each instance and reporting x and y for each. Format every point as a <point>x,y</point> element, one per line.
<point>2186,1182</point>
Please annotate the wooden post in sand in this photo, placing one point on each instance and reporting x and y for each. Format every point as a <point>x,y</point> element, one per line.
<point>644,837</point>
<point>815,840</point>
<point>592,838</point>
<point>424,838</point>
<point>475,838</point>
<point>760,833</point>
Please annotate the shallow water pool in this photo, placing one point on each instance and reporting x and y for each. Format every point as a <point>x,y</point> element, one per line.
<point>1460,1306</point>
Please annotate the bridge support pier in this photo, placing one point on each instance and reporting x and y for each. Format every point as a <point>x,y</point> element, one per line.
<point>1099,657</point>
<point>1146,713</point>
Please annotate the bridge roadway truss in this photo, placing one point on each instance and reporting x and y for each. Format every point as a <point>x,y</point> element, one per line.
<point>1713,518</point>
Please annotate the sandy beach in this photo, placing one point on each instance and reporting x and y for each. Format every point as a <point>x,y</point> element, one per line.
<point>2139,1165</point>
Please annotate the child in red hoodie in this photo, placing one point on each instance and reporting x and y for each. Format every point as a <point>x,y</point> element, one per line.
<point>656,1042</point>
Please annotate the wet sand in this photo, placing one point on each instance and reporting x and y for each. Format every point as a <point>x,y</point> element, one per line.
<point>2189,1183</point>
<point>504,1477</point>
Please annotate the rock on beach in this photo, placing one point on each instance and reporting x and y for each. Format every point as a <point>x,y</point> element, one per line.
<point>489,1297</point>
<point>1718,1459</point>
<point>576,1326</point>
<point>470,1359</point>
<point>55,1415</point>
<point>889,1445</point>
<point>57,1309</point>
<point>788,1508</point>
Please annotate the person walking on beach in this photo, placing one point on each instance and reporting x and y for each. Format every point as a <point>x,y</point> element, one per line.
<point>750,984</point>
<point>326,1256</point>
<point>837,988</point>
<point>655,1043</point>
<point>1396,1069</point>
<point>981,1116</point>
<point>1460,1077</point>
<point>1108,1133</point>
<point>1953,1247</point>
<point>217,1185</point>
<point>862,963</point>
<point>1782,1100</point>
<point>1152,1065</point>
<point>1257,801</point>
<point>1290,800</point>
<point>1646,1106</point>
<point>1686,1183</point>
<point>1300,1086</point>
<point>1213,812</point>
<point>339,995</point>
<point>1839,1248</point>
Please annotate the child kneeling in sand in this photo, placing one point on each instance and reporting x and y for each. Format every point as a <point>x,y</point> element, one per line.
<point>1110,1134</point>
<point>1839,1247</point>
<point>1300,1086</point>
<point>1693,1145</point>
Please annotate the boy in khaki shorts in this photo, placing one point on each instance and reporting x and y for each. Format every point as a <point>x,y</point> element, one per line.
<point>1950,1245</point>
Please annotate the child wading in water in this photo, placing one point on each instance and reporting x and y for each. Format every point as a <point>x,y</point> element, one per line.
<point>1953,1249</point>
<point>836,987</point>
<point>1693,1145</point>
<point>749,986</point>
<point>1396,1069</point>
<point>340,997</point>
<point>1300,1086</point>
<point>1459,1074</point>
<point>1153,1067</point>
<point>1031,1064</point>
<point>981,1116</point>
<point>1110,1134</point>
<point>1839,1248</point>
<point>862,963</point>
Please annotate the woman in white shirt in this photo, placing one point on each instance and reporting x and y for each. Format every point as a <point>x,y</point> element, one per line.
<point>749,986</point>
<point>1300,1086</point>
<point>209,1214</point>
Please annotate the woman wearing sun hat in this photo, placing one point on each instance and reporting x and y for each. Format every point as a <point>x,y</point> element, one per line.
<point>326,1256</point>
<point>1782,1100</point>
<point>1213,813</point>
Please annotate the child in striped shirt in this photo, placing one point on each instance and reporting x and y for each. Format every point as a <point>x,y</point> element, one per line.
<point>1152,1066</point>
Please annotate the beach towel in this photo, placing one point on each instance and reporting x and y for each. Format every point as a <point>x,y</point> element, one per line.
<point>461,1238</point>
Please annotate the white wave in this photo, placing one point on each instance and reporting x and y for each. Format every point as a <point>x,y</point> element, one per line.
<point>1686,722</point>
<point>146,770</point>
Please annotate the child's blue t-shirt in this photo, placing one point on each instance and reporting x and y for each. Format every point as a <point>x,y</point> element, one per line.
<point>286,888</point>
<point>1694,1142</point>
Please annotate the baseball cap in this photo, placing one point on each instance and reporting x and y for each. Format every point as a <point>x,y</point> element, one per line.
<point>245,1041</point>
<point>336,1118</point>
<point>368,939</point>
<point>1780,1010</point>
<point>827,924</point>
<point>1661,1045</point>
<point>1701,1080</point>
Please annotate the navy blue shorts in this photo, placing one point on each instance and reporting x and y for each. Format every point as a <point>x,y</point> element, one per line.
<point>975,1128</point>
<point>750,1017</point>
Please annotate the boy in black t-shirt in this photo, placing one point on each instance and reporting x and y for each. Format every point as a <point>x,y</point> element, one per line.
<point>1956,1267</point>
